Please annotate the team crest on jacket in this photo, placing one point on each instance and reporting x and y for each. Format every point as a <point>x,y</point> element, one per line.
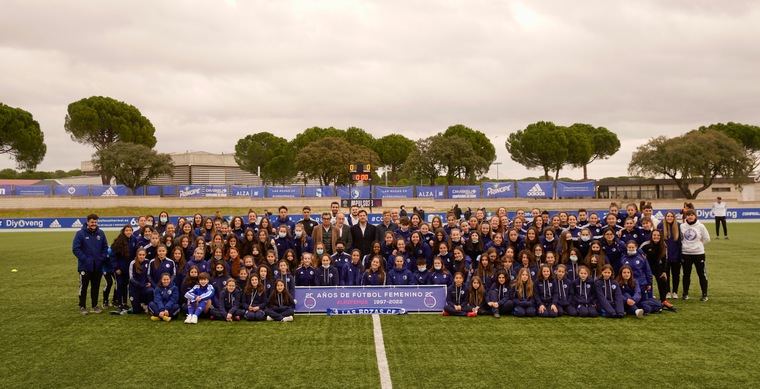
<point>614,287</point>
<point>588,286</point>
<point>550,284</point>
<point>311,272</point>
<point>168,265</point>
<point>637,261</point>
<point>170,292</point>
<point>330,275</point>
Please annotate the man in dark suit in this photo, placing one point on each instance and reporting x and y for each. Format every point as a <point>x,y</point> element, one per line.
<point>363,234</point>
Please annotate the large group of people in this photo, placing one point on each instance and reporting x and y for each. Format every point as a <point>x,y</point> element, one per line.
<point>539,263</point>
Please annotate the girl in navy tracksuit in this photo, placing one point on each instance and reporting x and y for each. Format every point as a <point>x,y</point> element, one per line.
<point>219,276</point>
<point>486,270</point>
<point>613,249</point>
<point>122,253</point>
<point>228,304</point>
<point>326,274</point>
<point>656,253</point>
<point>551,261</point>
<point>500,295</point>
<point>160,265</point>
<point>461,263</point>
<point>608,295</point>
<point>570,260</point>
<point>178,257</point>
<point>281,306</point>
<point>254,299</point>
<point>631,292</point>
<point>523,294</point>
<point>417,247</point>
<point>439,274</point>
<point>199,299</point>
<point>641,271</point>
<point>565,301</point>
<point>265,276</point>
<point>303,242</point>
<point>375,275</point>
<point>546,293</point>
<point>584,294</point>
<point>595,265</point>
<point>456,299</point>
<point>283,273</point>
<point>140,288</point>
<point>198,261</point>
<point>400,275</point>
<point>671,232</point>
<point>526,262</point>
<point>647,304</point>
<point>421,273</point>
<point>476,297</point>
<point>305,272</point>
<point>352,273</point>
<point>165,304</point>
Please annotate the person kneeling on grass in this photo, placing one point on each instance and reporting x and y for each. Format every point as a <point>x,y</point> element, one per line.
<point>523,294</point>
<point>165,304</point>
<point>456,299</point>
<point>608,295</point>
<point>254,299</point>
<point>199,299</point>
<point>631,291</point>
<point>281,305</point>
<point>229,303</point>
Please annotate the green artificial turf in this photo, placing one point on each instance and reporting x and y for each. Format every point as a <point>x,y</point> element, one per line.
<point>46,343</point>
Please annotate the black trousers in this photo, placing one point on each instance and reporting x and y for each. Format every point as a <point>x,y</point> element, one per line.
<point>675,275</point>
<point>720,220</point>
<point>122,288</point>
<point>699,263</point>
<point>89,279</point>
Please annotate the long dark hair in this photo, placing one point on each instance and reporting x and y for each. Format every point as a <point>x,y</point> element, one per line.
<point>120,245</point>
<point>286,299</point>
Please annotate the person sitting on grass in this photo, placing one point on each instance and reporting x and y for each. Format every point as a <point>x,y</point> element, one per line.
<point>165,304</point>
<point>199,299</point>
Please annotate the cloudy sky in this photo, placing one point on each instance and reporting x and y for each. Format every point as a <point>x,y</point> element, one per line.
<point>208,72</point>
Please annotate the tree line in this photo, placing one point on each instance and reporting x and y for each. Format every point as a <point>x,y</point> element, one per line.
<point>123,139</point>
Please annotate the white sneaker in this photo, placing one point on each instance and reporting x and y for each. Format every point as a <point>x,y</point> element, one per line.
<point>195,319</point>
<point>287,318</point>
<point>675,295</point>
<point>189,319</point>
<point>669,295</point>
<point>269,318</point>
<point>639,313</point>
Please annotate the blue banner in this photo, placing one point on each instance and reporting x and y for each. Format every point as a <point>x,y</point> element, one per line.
<point>393,192</point>
<point>153,190</point>
<point>6,190</point>
<point>430,192</point>
<point>191,191</point>
<point>108,190</point>
<point>283,191</point>
<point>33,190</point>
<point>355,192</point>
<point>498,190</point>
<point>390,299</point>
<point>72,190</point>
<point>568,189</point>
<point>215,191</point>
<point>169,190</point>
<point>318,191</point>
<point>535,189</point>
<point>464,192</point>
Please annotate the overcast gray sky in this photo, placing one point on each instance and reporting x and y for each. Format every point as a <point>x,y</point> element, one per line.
<point>208,72</point>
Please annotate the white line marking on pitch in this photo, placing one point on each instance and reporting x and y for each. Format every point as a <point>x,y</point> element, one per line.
<point>382,361</point>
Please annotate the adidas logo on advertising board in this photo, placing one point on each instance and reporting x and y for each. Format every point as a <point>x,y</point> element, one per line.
<point>55,224</point>
<point>536,191</point>
<point>110,192</point>
<point>76,224</point>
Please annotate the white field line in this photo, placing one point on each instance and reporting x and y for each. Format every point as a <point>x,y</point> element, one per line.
<point>382,361</point>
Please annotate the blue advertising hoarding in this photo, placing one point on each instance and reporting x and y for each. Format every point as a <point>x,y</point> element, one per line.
<point>370,299</point>
<point>464,192</point>
<point>6,190</point>
<point>570,189</point>
<point>109,190</point>
<point>318,191</point>
<point>430,192</point>
<point>354,192</point>
<point>535,189</point>
<point>498,190</point>
<point>33,190</point>
<point>215,191</point>
<point>283,191</point>
<point>393,192</point>
<point>72,190</point>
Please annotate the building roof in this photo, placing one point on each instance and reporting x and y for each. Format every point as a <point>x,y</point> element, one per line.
<point>635,181</point>
<point>18,181</point>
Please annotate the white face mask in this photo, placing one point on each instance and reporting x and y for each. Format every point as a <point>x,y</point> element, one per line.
<point>298,234</point>
<point>326,266</point>
<point>574,258</point>
<point>421,268</point>
<point>631,252</point>
<point>474,240</point>
<point>550,239</point>
<point>437,267</point>
<point>163,220</point>
<point>320,251</point>
<point>585,238</point>
<point>282,234</point>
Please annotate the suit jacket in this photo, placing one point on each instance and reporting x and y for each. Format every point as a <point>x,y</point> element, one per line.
<point>319,231</point>
<point>345,237</point>
<point>363,241</point>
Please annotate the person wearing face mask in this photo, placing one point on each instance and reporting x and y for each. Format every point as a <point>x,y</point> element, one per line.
<point>641,270</point>
<point>439,275</point>
<point>326,274</point>
<point>474,247</point>
<point>302,242</point>
<point>570,260</point>
<point>584,241</point>
<point>694,237</point>
<point>420,275</point>
<point>283,242</point>
<point>340,258</point>
<point>163,220</point>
